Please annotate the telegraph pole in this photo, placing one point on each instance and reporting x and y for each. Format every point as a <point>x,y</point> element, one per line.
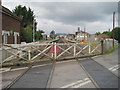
<point>84,33</point>
<point>34,30</point>
<point>113,27</point>
<point>0,23</point>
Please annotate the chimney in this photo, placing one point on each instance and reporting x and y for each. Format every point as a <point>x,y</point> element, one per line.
<point>78,29</point>
<point>109,30</point>
<point>0,2</point>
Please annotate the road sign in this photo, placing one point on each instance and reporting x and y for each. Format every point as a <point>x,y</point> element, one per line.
<point>83,41</point>
<point>52,49</point>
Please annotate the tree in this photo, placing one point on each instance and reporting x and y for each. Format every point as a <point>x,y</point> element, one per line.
<point>27,16</point>
<point>52,34</point>
<point>39,34</point>
<point>107,33</point>
<point>28,33</point>
<point>117,34</point>
<point>97,33</point>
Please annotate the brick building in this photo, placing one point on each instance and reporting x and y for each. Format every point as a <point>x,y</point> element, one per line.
<point>0,24</point>
<point>10,27</point>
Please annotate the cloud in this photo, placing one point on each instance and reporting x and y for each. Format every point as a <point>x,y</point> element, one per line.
<point>72,13</point>
<point>61,0</point>
<point>67,16</point>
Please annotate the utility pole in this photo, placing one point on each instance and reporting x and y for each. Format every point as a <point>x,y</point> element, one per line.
<point>34,30</point>
<point>113,27</point>
<point>84,33</point>
<point>109,30</point>
<point>0,23</point>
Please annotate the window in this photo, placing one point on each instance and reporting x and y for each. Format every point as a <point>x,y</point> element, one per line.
<point>16,34</point>
<point>5,36</point>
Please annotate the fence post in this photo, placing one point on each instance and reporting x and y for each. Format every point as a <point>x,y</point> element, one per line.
<point>55,54</point>
<point>52,53</point>
<point>89,48</point>
<point>74,50</point>
<point>29,54</point>
<point>102,47</point>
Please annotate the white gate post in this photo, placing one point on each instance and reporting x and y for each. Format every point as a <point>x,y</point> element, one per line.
<point>29,55</point>
<point>74,50</point>
<point>52,53</point>
<point>55,54</point>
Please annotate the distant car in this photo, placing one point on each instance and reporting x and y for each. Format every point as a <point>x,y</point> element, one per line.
<point>115,41</point>
<point>23,42</point>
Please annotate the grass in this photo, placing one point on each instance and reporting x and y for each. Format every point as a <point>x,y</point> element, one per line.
<point>112,49</point>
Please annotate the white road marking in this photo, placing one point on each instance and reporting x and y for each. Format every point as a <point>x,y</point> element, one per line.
<point>82,59</point>
<point>4,70</point>
<point>65,61</point>
<point>78,83</point>
<point>96,56</point>
<point>13,69</point>
<point>114,68</point>
<point>82,84</point>
<point>18,69</point>
<point>1,71</point>
<point>41,65</point>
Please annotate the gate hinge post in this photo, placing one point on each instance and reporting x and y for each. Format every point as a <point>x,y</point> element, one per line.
<point>74,50</point>
<point>55,53</point>
<point>89,48</point>
<point>102,48</point>
<point>29,53</point>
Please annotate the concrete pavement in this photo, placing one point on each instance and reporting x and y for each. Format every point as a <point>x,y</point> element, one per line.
<point>110,61</point>
<point>102,76</point>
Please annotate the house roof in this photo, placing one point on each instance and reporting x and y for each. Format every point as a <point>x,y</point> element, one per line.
<point>72,34</point>
<point>102,36</point>
<point>79,31</point>
<point>6,11</point>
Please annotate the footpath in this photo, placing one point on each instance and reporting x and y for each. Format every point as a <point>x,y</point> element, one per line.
<point>110,61</point>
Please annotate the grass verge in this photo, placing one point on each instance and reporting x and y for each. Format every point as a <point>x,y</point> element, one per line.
<point>112,49</point>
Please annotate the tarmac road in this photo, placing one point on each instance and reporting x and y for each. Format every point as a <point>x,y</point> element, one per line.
<point>101,75</point>
<point>36,77</point>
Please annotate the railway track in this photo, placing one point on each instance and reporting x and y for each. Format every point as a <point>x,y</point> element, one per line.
<point>89,76</point>
<point>24,80</point>
<point>15,80</point>
<point>97,74</point>
<point>100,76</point>
<point>30,67</point>
<point>83,64</point>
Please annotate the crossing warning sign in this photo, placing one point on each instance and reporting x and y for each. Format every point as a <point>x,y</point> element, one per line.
<point>52,49</point>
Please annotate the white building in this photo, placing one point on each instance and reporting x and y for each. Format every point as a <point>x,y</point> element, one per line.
<point>81,35</point>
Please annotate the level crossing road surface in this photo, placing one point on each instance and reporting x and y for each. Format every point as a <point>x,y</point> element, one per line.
<point>69,74</point>
<point>102,76</point>
<point>10,76</point>
<point>36,77</point>
<point>75,73</point>
<point>111,61</point>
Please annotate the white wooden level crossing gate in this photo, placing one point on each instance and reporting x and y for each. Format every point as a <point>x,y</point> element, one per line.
<point>32,52</point>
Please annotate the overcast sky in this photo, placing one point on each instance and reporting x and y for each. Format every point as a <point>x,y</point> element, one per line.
<point>66,17</point>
